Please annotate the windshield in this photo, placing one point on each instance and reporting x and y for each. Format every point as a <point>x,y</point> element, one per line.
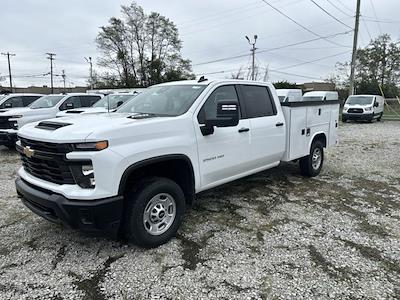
<point>168,100</point>
<point>313,98</point>
<point>46,101</point>
<point>1,98</point>
<point>361,100</point>
<point>114,100</point>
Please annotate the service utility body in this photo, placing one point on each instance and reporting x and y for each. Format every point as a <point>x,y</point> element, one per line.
<point>134,172</point>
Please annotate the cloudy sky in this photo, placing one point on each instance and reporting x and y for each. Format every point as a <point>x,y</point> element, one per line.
<point>212,33</point>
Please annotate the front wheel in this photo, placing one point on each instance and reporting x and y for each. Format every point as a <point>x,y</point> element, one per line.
<point>154,211</point>
<point>311,165</point>
<point>380,117</point>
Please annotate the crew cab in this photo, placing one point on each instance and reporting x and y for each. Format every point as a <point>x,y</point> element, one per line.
<point>43,108</point>
<point>108,104</point>
<point>363,108</point>
<point>134,172</point>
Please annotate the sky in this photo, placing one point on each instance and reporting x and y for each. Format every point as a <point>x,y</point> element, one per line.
<point>212,33</point>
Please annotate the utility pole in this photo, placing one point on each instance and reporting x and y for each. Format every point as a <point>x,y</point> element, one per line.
<point>51,57</point>
<point>89,60</point>
<point>354,55</point>
<point>8,54</point>
<point>253,52</point>
<point>63,77</point>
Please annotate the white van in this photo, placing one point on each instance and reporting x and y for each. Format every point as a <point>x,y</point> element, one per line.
<point>363,107</point>
<point>290,95</point>
<point>321,96</point>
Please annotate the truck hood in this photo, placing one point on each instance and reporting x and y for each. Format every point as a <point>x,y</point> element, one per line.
<point>72,129</point>
<point>14,111</point>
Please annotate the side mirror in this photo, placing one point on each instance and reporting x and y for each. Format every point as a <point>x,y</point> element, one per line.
<point>120,103</point>
<point>227,116</point>
<point>376,104</point>
<point>69,105</point>
<point>8,105</point>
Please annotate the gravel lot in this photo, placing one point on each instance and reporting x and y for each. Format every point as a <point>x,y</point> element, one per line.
<point>272,235</point>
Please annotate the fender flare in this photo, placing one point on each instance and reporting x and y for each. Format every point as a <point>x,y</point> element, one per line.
<point>146,162</point>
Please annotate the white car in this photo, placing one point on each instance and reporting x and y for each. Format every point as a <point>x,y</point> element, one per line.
<point>45,107</point>
<point>363,107</point>
<point>321,96</point>
<point>108,104</point>
<point>290,95</point>
<point>136,170</point>
<point>17,100</point>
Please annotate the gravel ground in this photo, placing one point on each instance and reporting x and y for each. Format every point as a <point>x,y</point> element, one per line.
<point>272,235</point>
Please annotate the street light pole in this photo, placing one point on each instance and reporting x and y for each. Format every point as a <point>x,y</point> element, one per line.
<point>253,52</point>
<point>89,60</point>
<point>354,55</point>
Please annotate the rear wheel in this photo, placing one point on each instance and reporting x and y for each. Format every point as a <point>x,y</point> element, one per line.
<point>154,212</point>
<point>311,165</point>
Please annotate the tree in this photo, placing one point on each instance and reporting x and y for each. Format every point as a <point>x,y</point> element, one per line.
<point>378,64</point>
<point>285,85</point>
<point>142,50</point>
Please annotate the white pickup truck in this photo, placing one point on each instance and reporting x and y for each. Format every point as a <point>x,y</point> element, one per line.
<point>135,171</point>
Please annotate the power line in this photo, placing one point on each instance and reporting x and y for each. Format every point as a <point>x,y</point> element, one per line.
<point>314,60</point>
<point>271,49</point>
<point>329,14</point>
<point>339,9</point>
<point>376,17</point>
<point>298,24</point>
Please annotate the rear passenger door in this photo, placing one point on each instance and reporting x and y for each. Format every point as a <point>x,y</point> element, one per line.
<point>267,128</point>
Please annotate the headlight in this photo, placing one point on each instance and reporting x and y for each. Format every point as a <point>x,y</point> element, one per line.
<point>94,146</point>
<point>367,108</point>
<point>83,174</point>
<point>345,108</point>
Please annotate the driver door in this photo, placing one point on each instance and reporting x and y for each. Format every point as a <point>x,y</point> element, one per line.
<point>225,153</point>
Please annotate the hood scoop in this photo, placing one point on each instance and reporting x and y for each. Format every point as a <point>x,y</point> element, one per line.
<point>47,125</point>
<point>74,111</point>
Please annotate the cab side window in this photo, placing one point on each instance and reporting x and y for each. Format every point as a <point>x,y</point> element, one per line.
<point>209,109</point>
<point>74,100</point>
<point>14,102</point>
<point>88,101</point>
<point>258,101</point>
<point>29,99</point>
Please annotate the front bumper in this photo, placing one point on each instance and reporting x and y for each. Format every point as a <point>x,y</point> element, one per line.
<point>8,138</point>
<point>96,216</point>
<point>361,117</point>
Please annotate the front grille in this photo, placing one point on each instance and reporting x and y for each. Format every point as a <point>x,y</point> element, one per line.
<point>48,161</point>
<point>4,123</point>
<point>355,110</point>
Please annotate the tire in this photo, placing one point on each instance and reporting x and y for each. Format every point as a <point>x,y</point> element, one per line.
<point>380,117</point>
<point>309,167</point>
<point>344,120</point>
<point>154,211</point>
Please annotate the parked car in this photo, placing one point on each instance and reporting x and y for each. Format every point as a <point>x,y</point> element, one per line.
<point>107,104</point>
<point>290,95</point>
<point>43,108</point>
<point>363,107</point>
<point>135,171</point>
<point>17,100</point>
<point>321,96</point>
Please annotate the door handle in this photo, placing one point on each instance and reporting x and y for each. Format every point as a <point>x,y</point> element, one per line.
<point>279,124</point>
<point>243,129</point>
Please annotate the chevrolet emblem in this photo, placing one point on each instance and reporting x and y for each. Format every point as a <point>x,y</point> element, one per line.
<point>28,152</point>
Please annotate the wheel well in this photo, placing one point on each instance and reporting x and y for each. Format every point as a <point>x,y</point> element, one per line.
<point>320,137</point>
<point>176,167</point>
